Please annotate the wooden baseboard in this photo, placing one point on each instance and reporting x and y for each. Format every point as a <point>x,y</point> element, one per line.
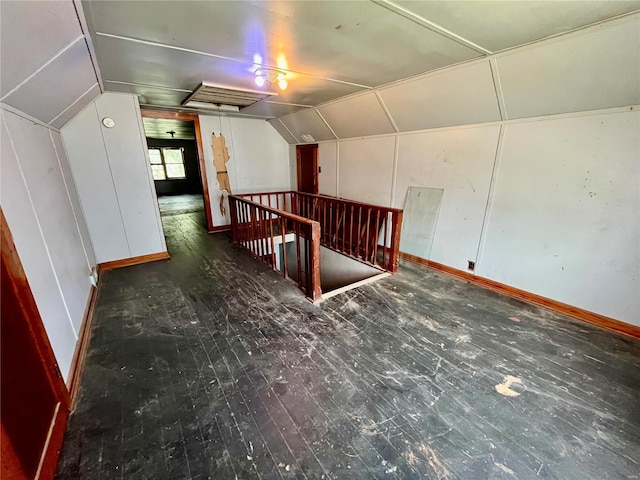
<point>221,228</point>
<point>601,321</point>
<point>127,262</point>
<point>80,353</point>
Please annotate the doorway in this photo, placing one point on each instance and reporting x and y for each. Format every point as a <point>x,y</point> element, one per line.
<point>177,163</point>
<point>307,166</point>
<point>35,400</point>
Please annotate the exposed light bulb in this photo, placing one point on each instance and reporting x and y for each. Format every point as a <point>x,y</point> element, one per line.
<point>259,80</point>
<point>282,83</point>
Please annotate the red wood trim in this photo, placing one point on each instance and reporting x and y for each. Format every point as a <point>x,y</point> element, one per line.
<point>126,262</point>
<point>281,213</point>
<point>49,461</point>
<point>221,228</point>
<point>80,354</point>
<point>601,321</point>
<point>203,170</point>
<point>20,285</point>
<point>27,303</point>
<point>314,288</point>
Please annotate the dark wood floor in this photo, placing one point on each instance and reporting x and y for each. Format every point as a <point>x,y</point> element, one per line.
<point>211,366</point>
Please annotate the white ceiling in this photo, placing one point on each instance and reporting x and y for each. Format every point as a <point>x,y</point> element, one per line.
<point>163,50</point>
<point>46,69</point>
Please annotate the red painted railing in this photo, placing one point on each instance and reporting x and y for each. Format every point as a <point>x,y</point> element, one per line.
<point>267,231</point>
<point>368,233</point>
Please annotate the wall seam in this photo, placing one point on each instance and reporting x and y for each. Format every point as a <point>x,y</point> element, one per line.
<point>150,184</point>
<point>113,182</point>
<point>327,124</point>
<point>489,202</point>
<point>394,173</point>
<point>46,246</point>
<point>386,111</point>
<point>497,85</point>
<point>73,210</point>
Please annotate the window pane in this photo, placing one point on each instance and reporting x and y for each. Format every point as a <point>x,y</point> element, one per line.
<point>158,172</point>
<point>175,170</point>
<point>154,156</point>
<point>172,155</point>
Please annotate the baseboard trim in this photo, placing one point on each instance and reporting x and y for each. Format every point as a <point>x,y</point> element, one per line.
<point>127,262</point>
<point>80,353</point>
<point>221,228</point>
<point>596,319</point>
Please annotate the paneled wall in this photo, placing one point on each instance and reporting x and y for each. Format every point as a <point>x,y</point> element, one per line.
<point>258,159</point>
<point>113,176</point>
<point>537,150</point>
<point>43,211</point>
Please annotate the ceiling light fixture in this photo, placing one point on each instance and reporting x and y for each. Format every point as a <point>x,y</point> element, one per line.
<point>271,75</point>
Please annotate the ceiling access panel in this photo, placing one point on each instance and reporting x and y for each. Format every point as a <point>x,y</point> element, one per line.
<point>284,133</point>
<point>307,126</point>
<point>32,34</point>
<point>462,95</point>
<point>57,86</point>
<point>592,69</point>
<point>497,25</point>
<point>158,69</point>
<point>357,116</point>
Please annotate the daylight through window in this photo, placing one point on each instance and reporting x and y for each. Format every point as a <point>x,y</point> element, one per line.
<point>167,163</point>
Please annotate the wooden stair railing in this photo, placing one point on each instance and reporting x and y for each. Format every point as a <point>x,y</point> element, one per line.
<point>368,233</point>
<point>265,231</point>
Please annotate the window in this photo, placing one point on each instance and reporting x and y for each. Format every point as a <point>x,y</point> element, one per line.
<point>167,163</point>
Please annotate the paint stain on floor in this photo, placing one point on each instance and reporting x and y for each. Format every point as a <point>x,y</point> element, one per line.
<point>504,388</point>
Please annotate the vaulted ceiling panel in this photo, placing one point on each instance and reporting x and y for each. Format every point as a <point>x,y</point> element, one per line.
<point>307,122</point>
<point>599,68</point>
<point>284,133</point>
<point>341,40</point>
<point>76,107</point>
<point>32,34</point>
<point>497,25</point>
<point>57,86</point>
<point>269,108</point>
<point>457,96</point>
<point>357,116</point>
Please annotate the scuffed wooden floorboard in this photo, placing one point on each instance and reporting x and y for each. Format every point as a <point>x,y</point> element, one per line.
<point>211,366</point>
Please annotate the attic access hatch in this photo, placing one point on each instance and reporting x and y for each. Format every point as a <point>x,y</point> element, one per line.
<point>223,98</point>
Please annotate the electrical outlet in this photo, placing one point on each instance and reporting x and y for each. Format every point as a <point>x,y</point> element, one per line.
<point>471,265</point>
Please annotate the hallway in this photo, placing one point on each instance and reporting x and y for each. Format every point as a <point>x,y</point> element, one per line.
<point>209,365</point>
<point>179,204</point>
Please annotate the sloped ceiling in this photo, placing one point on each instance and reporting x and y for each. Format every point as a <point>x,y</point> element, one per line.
<point>163,50</point>
<point>46,68</point>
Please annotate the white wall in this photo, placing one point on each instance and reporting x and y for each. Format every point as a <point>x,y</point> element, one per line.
<point>258,159</point>
<point>113,176</point>
<point>43,212</point>
<point>565,213</point>
<point>544,195</point>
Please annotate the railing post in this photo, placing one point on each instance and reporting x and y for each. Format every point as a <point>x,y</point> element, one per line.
<point>234,219</point>
<point>394,252</point>
<point>314,288</point>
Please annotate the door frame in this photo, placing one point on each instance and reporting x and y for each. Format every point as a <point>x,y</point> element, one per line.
<point>168,115</point>
<point>299,149</point>
<point>26,303</point>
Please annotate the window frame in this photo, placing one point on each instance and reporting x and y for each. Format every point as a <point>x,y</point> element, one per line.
<point>163,163</point>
